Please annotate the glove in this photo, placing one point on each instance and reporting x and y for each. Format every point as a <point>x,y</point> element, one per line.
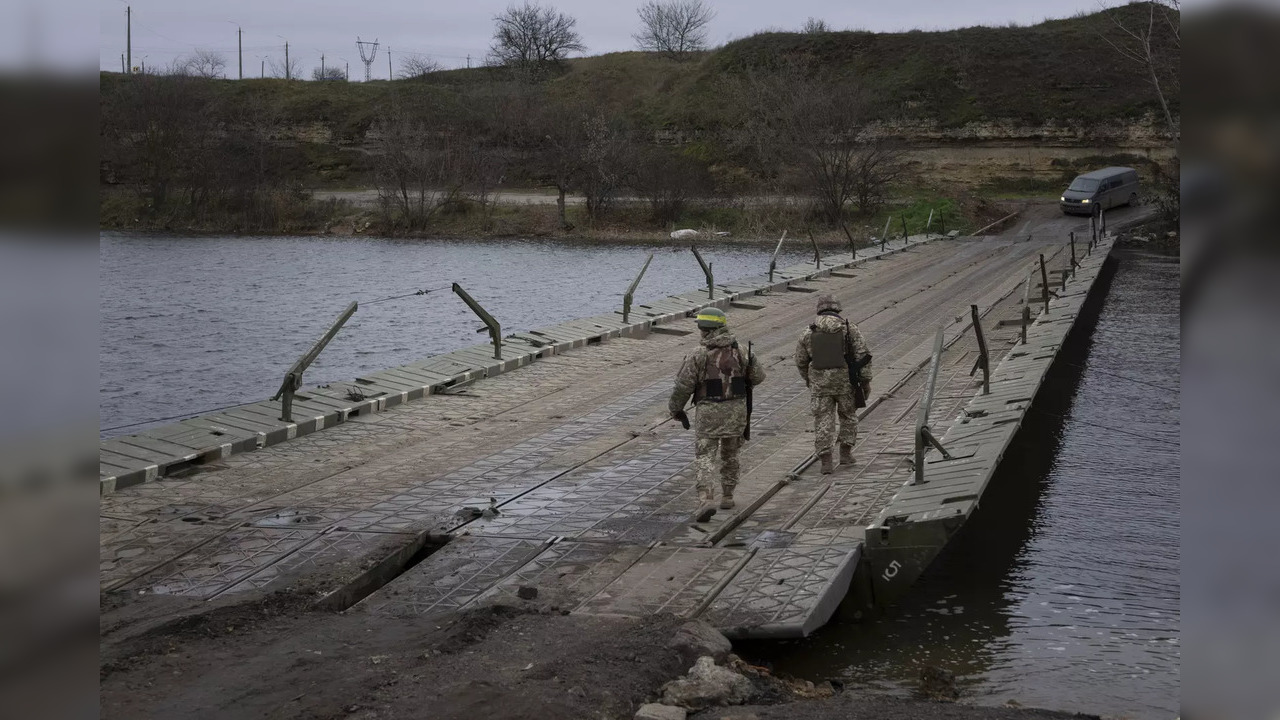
<point>683,417</point>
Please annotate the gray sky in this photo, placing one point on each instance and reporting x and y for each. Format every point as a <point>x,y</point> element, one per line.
<point>449,31</point>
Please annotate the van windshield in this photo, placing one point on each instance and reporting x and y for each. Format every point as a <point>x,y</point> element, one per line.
<point>1084,185</point>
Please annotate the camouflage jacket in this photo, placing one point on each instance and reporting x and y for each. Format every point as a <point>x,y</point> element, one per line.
<point>834,381</point>
<point>714,419</point>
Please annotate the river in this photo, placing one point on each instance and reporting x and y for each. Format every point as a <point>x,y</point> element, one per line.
<point>1062,592</point>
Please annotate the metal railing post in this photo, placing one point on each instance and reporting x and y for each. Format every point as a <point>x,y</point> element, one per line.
<point>1026,308</point>
<point>817,256</point>
<point>293,378</point>
<point>928,223</point>
<point>922,434</point>
<point>1044,283</point>
<point>1073,254</point>
<point>904,229</point>
<point>773,260</point>
<point>631,290</point>
<point>495,329</point>
<point>706,270</point>
<point>942,224</point>
<point>884,236</point>
<point>1093,227</point>
<point>1102,222</point>
<point>984,360</point>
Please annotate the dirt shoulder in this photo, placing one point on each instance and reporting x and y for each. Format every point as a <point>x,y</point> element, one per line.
<point>278,658</point>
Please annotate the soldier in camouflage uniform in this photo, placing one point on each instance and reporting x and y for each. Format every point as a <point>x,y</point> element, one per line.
<point>821,357</point>
<point>716,376</point>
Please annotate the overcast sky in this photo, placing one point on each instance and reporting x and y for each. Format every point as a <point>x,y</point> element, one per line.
<point>450,31</point>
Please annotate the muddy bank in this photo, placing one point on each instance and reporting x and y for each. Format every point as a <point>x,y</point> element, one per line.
<point>279,658</point>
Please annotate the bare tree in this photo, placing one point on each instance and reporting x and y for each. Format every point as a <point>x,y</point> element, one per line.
<point>556,131</point>
<point>415,66</point>
<point>668,181</point>
<point>606,162</point>
<point>532,38</point>
<point>1153,44</point>
<point>329,73</point>
<point>278,69</point>
<point>797,117</point>
<point>815,26</point>
<point>674,27</point>
<point>420,169</point>
<point>201,63</point>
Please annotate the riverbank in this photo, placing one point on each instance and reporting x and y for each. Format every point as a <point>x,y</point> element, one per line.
<point>351,214</point>
<point>278,657</point>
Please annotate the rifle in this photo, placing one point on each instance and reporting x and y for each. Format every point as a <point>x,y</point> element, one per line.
<point>855,366</point>
<point>746,432</point>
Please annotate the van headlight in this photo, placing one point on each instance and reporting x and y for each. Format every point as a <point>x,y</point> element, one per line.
<point>1085,200</point>
<point>1062,199</point>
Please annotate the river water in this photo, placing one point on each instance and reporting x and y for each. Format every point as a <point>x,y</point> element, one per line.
<point>1062,591</point>
<point>196,323</point>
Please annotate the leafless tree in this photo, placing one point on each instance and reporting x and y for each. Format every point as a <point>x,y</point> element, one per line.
<point>531,38</point>
<point>668,181</point>
<point>674,27</point>
<point>606,162</point>
<point>556,132</point>
<point>278,69</point>
<point>1152,43</point>
<point>420,168</point>
<point>414,66</point>
<point>201,63</point>
<point>801,117</point>
<point>329,73</point>
<point>815,26</point>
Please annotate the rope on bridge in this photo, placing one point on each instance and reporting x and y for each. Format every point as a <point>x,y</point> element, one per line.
<point>412,294</point>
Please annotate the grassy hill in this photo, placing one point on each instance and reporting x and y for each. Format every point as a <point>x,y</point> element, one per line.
<point>1054,74</point>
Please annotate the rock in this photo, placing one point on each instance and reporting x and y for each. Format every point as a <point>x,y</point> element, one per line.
<point>707,684</point>
<point>938,684</point>
<point>684,234</point>
<point>658,711</point>
<point>696,639</point>
<point>526,592</point>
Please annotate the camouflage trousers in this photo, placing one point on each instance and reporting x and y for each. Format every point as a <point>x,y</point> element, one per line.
<point>708,450</point>
<point>830,411</point>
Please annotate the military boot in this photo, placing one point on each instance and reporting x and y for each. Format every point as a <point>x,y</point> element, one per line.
<point>726,502</point>
<point>827,467</point>
<point>846,454</point>
<point>706,507</point>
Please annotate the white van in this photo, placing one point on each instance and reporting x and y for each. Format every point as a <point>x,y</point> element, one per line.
<point>1101,190</point>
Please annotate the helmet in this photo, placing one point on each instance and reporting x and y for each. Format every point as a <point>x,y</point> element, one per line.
<point>828,302</point>
<point>711,317</point>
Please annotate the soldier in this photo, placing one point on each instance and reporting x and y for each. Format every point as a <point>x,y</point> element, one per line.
<point>716,376</point>
<point>823,356</point>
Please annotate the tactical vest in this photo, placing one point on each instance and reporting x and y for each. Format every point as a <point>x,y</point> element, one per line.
<point>725,377</point>
<point>827,349</point>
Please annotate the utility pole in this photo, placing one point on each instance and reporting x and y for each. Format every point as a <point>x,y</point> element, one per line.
<point>128,35</point>
<point>390,76</point>
<point>468,61</point>
<point>287,70</point>
<point>346,75</point>
<point>322,66</point>
<point>240,49</point>
<point>262,70</point>
<point>122,70</point>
